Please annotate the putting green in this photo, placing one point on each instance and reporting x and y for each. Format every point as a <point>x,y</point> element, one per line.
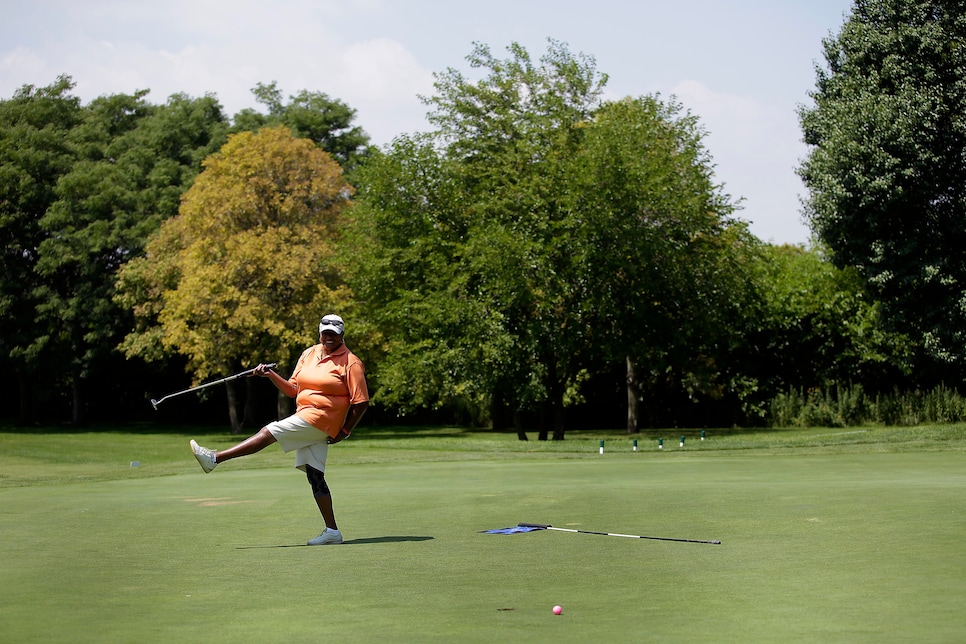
<point>850,547</point>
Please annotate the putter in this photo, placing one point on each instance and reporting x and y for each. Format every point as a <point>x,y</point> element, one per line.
<point>546,526</point>
<point>155,403</point>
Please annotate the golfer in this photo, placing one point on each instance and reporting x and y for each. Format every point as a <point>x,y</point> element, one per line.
<point>329,387</point>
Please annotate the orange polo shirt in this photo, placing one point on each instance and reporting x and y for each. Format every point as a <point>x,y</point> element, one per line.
<point>327,386</point>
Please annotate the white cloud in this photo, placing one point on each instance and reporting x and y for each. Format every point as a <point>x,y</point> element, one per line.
<point>383,80</point>
<point>24,63</point>
<point>383,69</point>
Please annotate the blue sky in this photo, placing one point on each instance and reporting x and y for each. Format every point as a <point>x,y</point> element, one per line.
<point>742,66</point>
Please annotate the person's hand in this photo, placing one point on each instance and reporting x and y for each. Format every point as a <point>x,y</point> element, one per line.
<point>341,436</point>
<point>262,370</point>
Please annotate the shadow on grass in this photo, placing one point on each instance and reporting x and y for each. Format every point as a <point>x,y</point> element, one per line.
<point>357,542</point>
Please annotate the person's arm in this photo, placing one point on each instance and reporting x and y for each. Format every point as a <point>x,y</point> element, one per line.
<point>287,387</point>
<point>352,418</point>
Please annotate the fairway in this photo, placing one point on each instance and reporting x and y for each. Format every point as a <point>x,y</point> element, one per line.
<point>841,543</point>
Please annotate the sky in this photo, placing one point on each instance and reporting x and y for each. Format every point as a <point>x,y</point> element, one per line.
<point>743,67</point>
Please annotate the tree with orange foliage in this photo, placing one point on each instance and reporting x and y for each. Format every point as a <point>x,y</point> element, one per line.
<point>243,272</point>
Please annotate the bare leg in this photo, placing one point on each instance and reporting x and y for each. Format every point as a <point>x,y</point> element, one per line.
<point>255,443</point>
<point>323,496</point>
<point>325,507</point>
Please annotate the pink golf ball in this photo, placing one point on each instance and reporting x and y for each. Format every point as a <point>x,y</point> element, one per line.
<point>557,610</point>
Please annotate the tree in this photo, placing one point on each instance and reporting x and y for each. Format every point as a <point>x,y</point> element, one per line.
<point>81,189</point>
<point>310,115</point>
<point>526,243</point>
<point>34,155</point>
<point>662,266</point>
<point>818,329</point>
<point>481,311</point>
<point>886,171</point>
<point>131,163</point>
<point>243,272</point>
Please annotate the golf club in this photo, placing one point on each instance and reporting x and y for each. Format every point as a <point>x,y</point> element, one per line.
<point>545,526</point>
<point>155,403</point>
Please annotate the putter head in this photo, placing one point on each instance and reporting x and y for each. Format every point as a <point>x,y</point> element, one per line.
<point>154,403</point>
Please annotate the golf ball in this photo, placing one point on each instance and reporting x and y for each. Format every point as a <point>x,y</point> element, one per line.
<point>557,610</point>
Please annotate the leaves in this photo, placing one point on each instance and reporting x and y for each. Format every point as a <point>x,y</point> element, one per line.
<point>34,155</point>
<point>538,236</point>
<point>886,173</point>
<point>244,270</point>
<point>310,115</point>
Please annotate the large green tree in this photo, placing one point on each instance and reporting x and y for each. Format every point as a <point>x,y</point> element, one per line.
<point>34,155</point>
<point>311,115</point>
<point>130,163</point>
<point>530,240</point>
<point>243,272</point>
<point>661,266</point>
<point>480,307</point>
<point>886,171</point>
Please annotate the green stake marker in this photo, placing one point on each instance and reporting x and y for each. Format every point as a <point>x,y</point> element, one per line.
<point>682,441</point>
<point>602,447</point>
<point>635,444</point>
<point>660,443</point>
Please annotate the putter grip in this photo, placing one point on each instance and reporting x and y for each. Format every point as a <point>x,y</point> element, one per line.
<point>534,525</point>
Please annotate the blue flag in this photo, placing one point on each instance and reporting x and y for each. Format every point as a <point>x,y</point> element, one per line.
<point>514,530</point>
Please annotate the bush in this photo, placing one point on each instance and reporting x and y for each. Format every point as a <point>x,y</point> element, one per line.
<point>850,406</point>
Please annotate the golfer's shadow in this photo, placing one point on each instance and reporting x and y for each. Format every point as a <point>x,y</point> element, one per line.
<point>384,540</point>
<point>350,542</point>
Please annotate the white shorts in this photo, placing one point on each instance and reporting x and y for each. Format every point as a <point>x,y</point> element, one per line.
<point>309,443</point>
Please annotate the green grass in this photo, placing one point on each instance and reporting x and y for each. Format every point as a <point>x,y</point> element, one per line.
<point>827,535</point>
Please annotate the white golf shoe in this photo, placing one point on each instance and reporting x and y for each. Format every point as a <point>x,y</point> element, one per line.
<point>205,456</point>
<point>328,537</point>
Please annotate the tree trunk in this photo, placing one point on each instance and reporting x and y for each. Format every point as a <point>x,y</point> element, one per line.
<point>558,415</point>
<point>250,417</point>
<point>518,425</point>
<point>633,398</point>
<point>552,409</point>
<point>236,422</point>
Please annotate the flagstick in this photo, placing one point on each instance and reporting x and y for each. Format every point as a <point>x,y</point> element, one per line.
<point>545,526</point>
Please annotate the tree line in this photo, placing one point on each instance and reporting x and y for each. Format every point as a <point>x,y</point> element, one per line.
<point>542,258</point>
